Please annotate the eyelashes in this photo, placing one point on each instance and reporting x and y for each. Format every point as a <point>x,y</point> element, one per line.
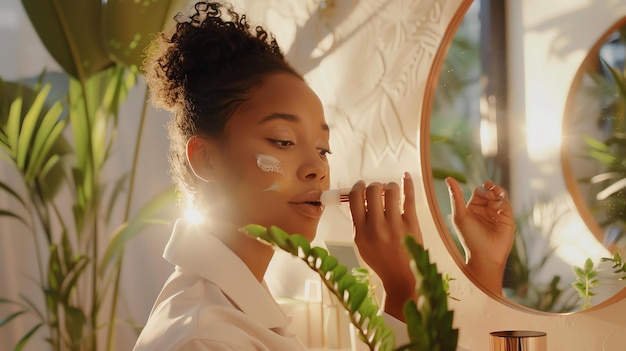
<point>284,144</point>
<point>281,143</point>
<point>325,152</point>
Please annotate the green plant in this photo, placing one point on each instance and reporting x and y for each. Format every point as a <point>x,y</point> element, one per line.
<point>609,201</point>
<point>585,282</point>
<point>603,95</point>
<point>363,275</point>
<point>607,185</point>
<point>446,286</point>
<point>534,228</point>
<point>618,264</point>
<point>429,324</point>
<point>456,152</point>
<point>59,150</point>
<point>586,279</point>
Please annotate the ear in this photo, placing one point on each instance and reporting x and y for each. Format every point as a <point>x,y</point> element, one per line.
<point>199,152</point>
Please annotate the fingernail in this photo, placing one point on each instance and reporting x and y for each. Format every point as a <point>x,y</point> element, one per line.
<point>407,175</point>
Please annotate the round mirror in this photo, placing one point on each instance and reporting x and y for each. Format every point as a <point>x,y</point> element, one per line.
<point>594,140</point>
<point>496,99</point>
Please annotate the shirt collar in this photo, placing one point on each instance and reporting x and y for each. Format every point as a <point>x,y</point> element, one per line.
<point>192,247</point>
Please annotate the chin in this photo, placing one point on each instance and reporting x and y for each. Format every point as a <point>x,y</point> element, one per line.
<point>306,230</point>
<point>309,236</point>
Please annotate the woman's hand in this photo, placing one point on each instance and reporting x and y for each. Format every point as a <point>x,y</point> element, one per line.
<point>381,224</point>
<point>487,230</point>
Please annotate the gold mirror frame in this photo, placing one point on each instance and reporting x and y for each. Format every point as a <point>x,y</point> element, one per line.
<point>429,95</point>
<point>566,164</point>
<point>428,180</point>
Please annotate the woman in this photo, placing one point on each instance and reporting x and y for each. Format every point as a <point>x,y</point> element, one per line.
<point>249,144</point>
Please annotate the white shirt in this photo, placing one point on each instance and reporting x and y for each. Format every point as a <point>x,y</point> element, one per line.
<point>213,302</point>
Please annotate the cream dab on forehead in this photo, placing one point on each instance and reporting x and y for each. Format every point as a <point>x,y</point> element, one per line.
<point>269,164</point>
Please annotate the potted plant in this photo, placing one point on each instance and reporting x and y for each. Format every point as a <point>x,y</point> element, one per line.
<point>59,149</point>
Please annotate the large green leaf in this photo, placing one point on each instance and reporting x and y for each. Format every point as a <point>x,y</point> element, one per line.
<point>9,190</point>
<point>29,126</point>
<point>128,26</point>
<point>9,92</point>
<point>7,213</point>
<point>33,129</point>
<point>120,81</point>
<point>53,172</point>
<point>137,223</point>
<point>26,337</point>
<point>75,322</point>
<point>48,142</point>
<point>70,31</point>
<point>13,126</point>
<point>10,317</point>
<point>80,121</point>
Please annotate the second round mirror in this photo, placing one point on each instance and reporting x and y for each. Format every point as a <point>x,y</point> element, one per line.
<point>496,107</point>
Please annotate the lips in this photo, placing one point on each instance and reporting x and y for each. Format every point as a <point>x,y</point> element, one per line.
<point>309,204</point>
<point>309,209</point>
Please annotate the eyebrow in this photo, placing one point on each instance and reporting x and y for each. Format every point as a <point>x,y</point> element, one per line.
<point>287,117</point>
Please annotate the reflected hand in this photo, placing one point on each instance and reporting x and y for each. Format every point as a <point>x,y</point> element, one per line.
<point>487,229</point>
<point>380,228</point>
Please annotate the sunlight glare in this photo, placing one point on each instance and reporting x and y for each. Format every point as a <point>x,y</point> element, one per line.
<point>194,216</point>
<point>575,244</point>
<point>488,137</point>
<point>543,135</point>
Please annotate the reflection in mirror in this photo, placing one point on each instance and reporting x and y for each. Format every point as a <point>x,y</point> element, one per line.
<point>594,152</point>
<point>470,131</point>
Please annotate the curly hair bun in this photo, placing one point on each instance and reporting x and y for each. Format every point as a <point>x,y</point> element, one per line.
<point>211,48</point>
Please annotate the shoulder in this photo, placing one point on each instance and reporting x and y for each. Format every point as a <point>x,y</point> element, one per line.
<point>191,313</point>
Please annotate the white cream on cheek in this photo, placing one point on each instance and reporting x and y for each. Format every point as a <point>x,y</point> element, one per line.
<point>269,164</point>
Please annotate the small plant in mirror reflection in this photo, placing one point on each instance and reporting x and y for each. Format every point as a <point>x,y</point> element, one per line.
<point>618,264</point>
<point>606,149</point>
<point>522,282</point>
<point>585,282</point>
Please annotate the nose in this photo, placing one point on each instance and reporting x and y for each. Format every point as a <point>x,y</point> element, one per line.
<point>313,167</point>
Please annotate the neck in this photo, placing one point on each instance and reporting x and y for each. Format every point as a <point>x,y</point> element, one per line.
<point>254,254</point>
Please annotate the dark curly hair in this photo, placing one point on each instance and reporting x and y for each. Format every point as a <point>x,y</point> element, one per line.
<point>203,72</point>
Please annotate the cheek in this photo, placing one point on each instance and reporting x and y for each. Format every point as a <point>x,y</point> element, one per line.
<point>326,182</point>
<point>273,179</point>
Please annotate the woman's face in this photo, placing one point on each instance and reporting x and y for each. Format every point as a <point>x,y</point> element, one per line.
<point>273,164</point>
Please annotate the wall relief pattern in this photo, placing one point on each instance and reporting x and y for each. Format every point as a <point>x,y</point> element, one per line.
<point>369,62</point>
